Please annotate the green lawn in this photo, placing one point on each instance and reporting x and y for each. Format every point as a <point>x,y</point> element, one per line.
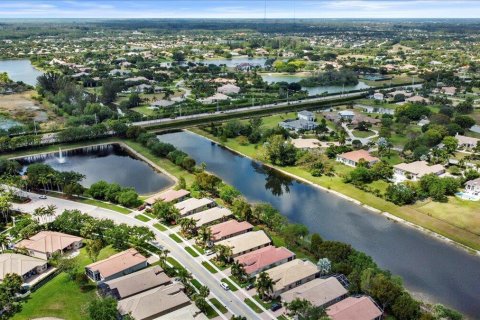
<point>363,134</point>
<point>266,304</point>
<point>199,249</point>
<point>232,287</point>
<point>143,218</point>
<point>209,267</point>
<point>160,227</point>
<point>210,312</point>
<point>144,110</point>
<point>249,302</point>
<point>104,205</point>
<point>196,283</point>
<point>62,297</point>
<point>218,305</point>
<point>174,263</point>
<point>191,252</point>
<point>175,238</point>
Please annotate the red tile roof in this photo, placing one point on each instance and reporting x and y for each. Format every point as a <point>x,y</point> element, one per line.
<point>228,228</point>
<point>261,258</point>
<point>357,155</point>
<point>117,263</point>
<point>352,308</point>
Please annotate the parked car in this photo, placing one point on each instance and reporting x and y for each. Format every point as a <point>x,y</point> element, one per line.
<point>250,286</point>
<point>275,306</point>
<point>209,252</point>
<point>43,197</point>
<point>224,286</point>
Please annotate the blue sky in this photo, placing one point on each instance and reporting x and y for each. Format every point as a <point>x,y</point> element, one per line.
<point>239,9</point>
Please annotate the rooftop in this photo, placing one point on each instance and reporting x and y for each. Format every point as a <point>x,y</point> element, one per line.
<point>354,308</point>
<point>246,241</point>
<point>228,228</point>
<point>48,241</point>
<point>18,264</point>
<point>306,143</point>
<point>291,272</point>
<point>167,196</point>
<point>318,291</point>
<point>263,257</point>
<point>117,263</point>
<point>210,215</point>
<point>357,155</point>
<point>474,182</point>
<point>192,204</point>
<point>419,168</point>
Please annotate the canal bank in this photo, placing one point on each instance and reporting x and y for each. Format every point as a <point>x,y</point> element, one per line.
<point>433,270</point>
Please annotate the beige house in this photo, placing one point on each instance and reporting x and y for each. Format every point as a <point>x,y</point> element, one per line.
<point>415,170</point>
<point>25,266</point>
<point>168,196</point>
<point>46,243</point>
<point>320,292</point>
<point>466,142</point>
<point>246,242</point>
<point>292,274</point>
<point>210,215</point>
<point>193,205</point>
<point>135,283</point>
<point>229,229</point>
<point>154,303</point>
<point>116,266</point>
<point>352,158</point>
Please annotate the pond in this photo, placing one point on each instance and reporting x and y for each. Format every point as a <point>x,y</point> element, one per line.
<point>430,268</point>
<point>318,90</point>
<point>6,124</point>
<point>20,70</point>
<point>106,162</point>
<point>232,63</point>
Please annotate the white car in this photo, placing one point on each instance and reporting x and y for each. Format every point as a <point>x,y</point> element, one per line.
<point>209,252</point>
<point>225,286</point>
<point>43,197</point>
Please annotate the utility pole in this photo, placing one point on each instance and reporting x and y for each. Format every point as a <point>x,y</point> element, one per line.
<point>35,127</point>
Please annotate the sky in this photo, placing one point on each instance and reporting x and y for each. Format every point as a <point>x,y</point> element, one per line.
<point>239,9</point>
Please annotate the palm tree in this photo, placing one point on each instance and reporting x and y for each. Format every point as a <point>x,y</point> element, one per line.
<point>224,253</point>
<point>238,271</point>
<point>5,205</point>
<point>3,241</point>
<point>50,211</point>
<point>203,292</point>
<point>264,285</point>
<point>39,213</point>
<point>188,226</point>
<point>162,258</point>
<point>184,276</point>
<point>204,235</point>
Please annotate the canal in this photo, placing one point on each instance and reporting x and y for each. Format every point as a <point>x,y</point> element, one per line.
<point>431,269</point>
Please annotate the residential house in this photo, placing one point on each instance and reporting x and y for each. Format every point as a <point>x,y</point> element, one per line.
<point>46,243</point>
<point>135,283</point>
<point>194,205</point>
<point>292,274</point>
<point>298,125</point>
<point>375,109</point>
<point>162,103</point>
<point>355,308</point>
<point>415,170</point>
<point>246,242</point>
<point>190,312</point>
<point>378,96</point>
<point>208,216</point>
<point>352,158</point>
<point>229,89</point>
<point>466,142</point>
<point>22,265</point>
<point>320,292</point>
<point>472,187</point>
<point>306,115</point>
<point>305,144</point>
<point>346,115</point>
<point>217,97</point>
<point>154,303</point>
<point>264,258</point>
<point>449,91</point>
<point>116,266</point>
<point>229,229</point>
<point>168,196</point>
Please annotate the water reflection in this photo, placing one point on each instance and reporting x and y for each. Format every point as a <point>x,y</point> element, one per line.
<point>277,184</point>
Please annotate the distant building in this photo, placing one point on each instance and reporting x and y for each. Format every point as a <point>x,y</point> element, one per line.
<point>352,158</point>
<point>320,292</point>
<point>472,187</point>
<point>306,115</point>
<point>355,308</point>
<point>346,114</point>
<point>46,243</point>
<point>376,109</point>
<point>415,170</point>
<point>116,266</point>
<point>417,99</point>
<point>378,96</point>
<point>162,103</point>
<point>229,89</point>
<point>449,91</point>
<point>264,258</point>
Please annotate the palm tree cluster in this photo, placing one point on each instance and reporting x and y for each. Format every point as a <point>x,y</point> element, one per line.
<point>44,214</point>
<point>264,285</point>
<point>224,254</point>
<point>204,237</point>
<point>188,227</point>
<point>42,176</point>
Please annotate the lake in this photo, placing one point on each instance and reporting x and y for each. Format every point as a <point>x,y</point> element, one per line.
<point>20,70</point>
<point>232,63</point>
<point>108,162</point>
<point>318,90</point>
<point>430,268</point>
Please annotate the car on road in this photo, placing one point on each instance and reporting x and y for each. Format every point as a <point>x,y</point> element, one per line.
<point>275,306</point>
<point>224,286</point>
<point>43,197</point>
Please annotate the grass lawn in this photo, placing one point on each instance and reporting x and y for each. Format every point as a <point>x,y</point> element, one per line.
<point>160,227</point>
<point>209,267</point>
<point>362,134</point>
<point>62,297</point>
<point>148,214</point>
<point>191,252</point>
<point>249,302</point>
<point>143,218</point>
<point>218,305</point>
<point>266,304</point>
<point>196,283</point>
<point>104,205</point>
<point>144,110</point>
<point>232,287</point>
<point>210,312</point>
<point>282,317</point>
<point>199,249</point>
<point>175,238</point>
<point>174,263</point>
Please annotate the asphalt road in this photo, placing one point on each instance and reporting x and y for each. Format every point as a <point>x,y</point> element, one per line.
<point>232,300</point>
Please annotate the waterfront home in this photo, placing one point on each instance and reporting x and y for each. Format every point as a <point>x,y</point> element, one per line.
<point>154,303</point>
<point>320,292</point>
<point>264,258</point>
<point>116,266</point>
<point>22,265</point>
<point>246,242</point>
<point>305,144</point>
<point>229,89</point>
<point>306,115</point>
<point>46,243</point>
<point>415,170</point>
<point>352,158</point>
<point>292,274</point>
<point>208,216</point>
<point>472,188</point>
<point>346,115</point>
<point>229,229</point>
<point>168,196</point>
<point>466,142</point>
<point>355,308</point>
<point>194,205</point>
<point>298,125</point>
<point>375,109</point>
<point>135,283</point>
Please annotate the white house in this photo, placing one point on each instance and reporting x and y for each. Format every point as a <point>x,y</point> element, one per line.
<point>378,96</point>
<point>472,189</point>
<point>306,115</point>
<point>415,170</point>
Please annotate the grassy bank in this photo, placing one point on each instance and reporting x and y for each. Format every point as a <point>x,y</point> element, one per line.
<point>455,220</point>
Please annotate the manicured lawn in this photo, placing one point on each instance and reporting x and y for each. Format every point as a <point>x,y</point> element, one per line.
<point>191,252</point>
<point>175,238</point>
<point>104,205</point>
<point>238,283</point>
<point>249,302</point>
<point>266,304</point>
<point>143,218</point>
<point>196,283</point>
<point>210,312</point>
<point>282,317</point>
<point>174,263</point>
<point>218,305</point>
<point>148,214</point>
<point>199,249</point>
<point>363,134</point>
<point>144,110</point>
<point>209,267</point>
<point>160,227</point>
<point>232,287</point>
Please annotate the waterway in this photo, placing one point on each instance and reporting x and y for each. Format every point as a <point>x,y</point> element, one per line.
<point>110,163</point>
<point>433,270</point>
<point>20,70</point>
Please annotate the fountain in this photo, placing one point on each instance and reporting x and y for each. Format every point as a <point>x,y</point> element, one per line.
<point>61,159</point>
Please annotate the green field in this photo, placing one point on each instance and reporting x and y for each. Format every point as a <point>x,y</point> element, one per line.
<point>363,134</point>
<point>160,227</point>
